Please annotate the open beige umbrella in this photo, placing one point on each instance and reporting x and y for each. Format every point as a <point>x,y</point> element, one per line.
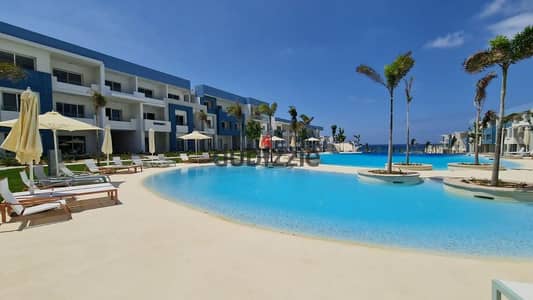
<point>107,145</point>
<point>55,121</point>
<point>196,136</point>
<point>24,138</point>
<point>151,141</point>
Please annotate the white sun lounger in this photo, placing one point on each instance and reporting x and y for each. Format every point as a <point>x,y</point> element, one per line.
<point>511,290</point>
<point>184,157</point>
<point>29,205</point>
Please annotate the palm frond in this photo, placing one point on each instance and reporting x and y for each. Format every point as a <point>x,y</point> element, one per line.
<point>370,73</point>
<point>522,44</point>
<point>482,60</point>
<point>408,88</point>
<point>11,72</point>
<point>399,68</point>
<point>481,87</point>
<point>235,110</point>
<point>293,112</point>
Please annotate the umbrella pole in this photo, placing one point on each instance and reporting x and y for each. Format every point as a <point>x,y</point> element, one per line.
<point>108,159</point>
<point>55,152</point>
<point>31,178</point>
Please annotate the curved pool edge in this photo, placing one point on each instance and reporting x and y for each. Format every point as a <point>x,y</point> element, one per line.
<point>304,235</point>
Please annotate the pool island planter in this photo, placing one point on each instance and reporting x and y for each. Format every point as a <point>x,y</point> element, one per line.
<point>412,167</point>
<point>467,186</point>
<point>379,176</point>
<point>471,166</point>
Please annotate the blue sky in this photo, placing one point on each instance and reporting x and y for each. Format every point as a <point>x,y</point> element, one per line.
<point>304,53</point>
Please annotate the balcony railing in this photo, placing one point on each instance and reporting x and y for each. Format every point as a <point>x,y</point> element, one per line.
<point>122,125</point>
<point>182,129</point>
<point>70,88</point>
<point>157,125</point>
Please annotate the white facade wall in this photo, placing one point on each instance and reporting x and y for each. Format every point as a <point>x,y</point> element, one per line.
<point>89,74</point>
<point>41,56</point>
<point>158,89</point>
<point>127,81</point>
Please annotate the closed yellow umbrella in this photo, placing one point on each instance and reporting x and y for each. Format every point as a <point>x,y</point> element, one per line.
<point>151,141</point>
<point>107,145</point>
<point>24,138</point>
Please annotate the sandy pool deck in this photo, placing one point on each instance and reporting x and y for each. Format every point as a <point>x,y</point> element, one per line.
<point>150,247</point>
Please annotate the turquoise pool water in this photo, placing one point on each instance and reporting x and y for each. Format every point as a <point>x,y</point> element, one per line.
<point>338,206</point>
<point>378,160</point>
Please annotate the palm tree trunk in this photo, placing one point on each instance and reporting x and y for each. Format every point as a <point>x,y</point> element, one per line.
<point>389,154</point>
<point>476,138</point>
<point>408,142</point>
<point>270,133</point>
<point>499,130</point>
<point>96,120</point>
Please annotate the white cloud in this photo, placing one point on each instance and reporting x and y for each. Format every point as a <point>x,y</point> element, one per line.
<point>510,26</point>
<point>451,40</point>
<point>505,8</point>
<point>493,8</point>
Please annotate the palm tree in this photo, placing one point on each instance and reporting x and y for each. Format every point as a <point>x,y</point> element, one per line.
<point>11,72</point>
<point>488,117</point>
<point>99,101</point>
<point>202,117</point>
<point>357,139</point>
<point>235,110</point>
<point>295,125</point>
<point>253,130</point>
<point>503,52</point>
<point>394,73</point>
<point>270,111</point>
<point>479,99</point>
<point>304,124</point>
<point>409,98</point>
<point>333,132</point>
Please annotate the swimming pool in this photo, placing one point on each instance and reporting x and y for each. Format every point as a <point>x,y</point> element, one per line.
<point>338,206</point>
<point>378,160</point>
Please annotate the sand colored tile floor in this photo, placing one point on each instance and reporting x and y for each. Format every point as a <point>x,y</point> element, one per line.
<point>151,248</point>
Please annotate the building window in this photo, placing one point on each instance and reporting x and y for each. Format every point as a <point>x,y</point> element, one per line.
<point>149,116</point>
<point>173,96</point>
<point>71,110</point>
<point>114,86</point>
<point>209,123</point>
<point>67,77</point>
<point>24,62</point>
<point>10,101</point>
<point>186,98</point>
<point>147,93</point>
<point>72,145</point>
<point>180,120</point>
<point>6,57</point>
<point>113,114</point>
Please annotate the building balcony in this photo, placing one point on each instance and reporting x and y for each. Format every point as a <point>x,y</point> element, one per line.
<point>209,130</point>
<point>182,129</point>
<point>121,125</point>
<point>157,125</point>
<point>89,121</point>
<point>68,88</point>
